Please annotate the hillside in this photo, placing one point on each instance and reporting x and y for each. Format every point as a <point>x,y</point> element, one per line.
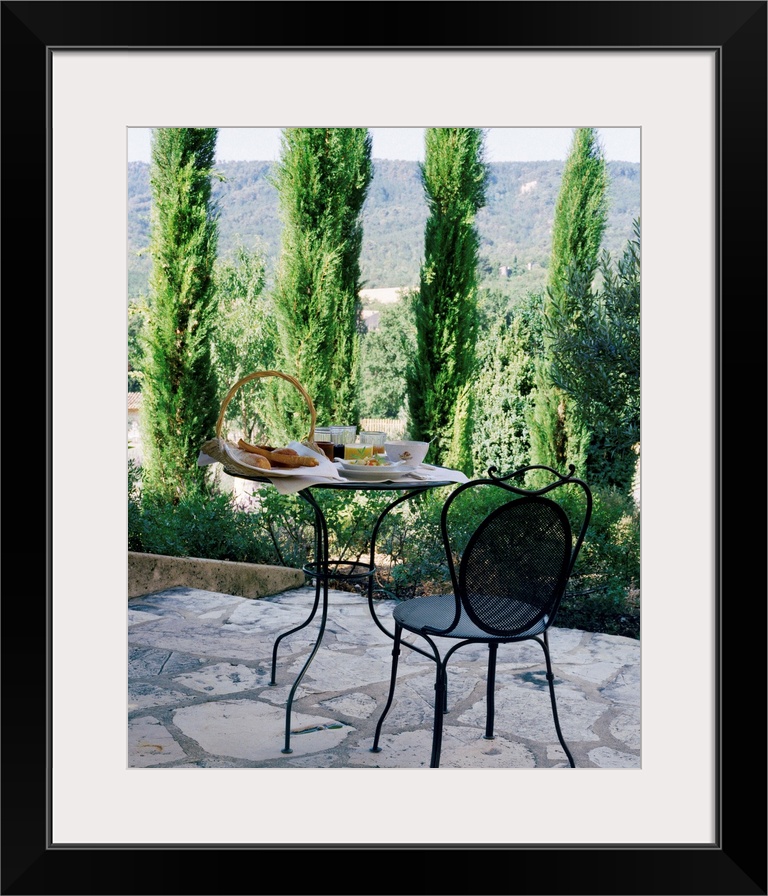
<point>514,226</point>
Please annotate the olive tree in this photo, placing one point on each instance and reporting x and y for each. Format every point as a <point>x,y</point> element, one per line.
<point>596,361</point>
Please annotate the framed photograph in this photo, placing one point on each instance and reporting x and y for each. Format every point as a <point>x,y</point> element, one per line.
<point>692,77</point>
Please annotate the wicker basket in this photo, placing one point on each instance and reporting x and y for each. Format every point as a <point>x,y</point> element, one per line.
<point>221,450</point>
<point>261,373</point>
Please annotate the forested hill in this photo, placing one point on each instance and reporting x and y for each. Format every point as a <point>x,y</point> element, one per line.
<point>514,225</point>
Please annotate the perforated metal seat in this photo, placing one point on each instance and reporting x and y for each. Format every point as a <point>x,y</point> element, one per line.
<point>438,611</point>
<point>512,575</point>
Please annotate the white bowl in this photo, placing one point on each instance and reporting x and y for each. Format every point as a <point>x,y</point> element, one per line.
<point>410,454</point>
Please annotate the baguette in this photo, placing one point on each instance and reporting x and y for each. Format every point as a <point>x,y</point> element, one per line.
<point>255,460</point>
<point>278,458</point>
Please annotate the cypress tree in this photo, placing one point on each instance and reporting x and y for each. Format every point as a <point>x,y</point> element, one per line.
<point>454,176</point>
<point>179,393</point>
<point>559,434</point>
<point>322,179</point>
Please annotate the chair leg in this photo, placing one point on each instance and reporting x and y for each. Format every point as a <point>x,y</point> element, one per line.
<point>490,697</point>
<point>441,680</point>
<point>445,692</point>
<point>392,682</point>
<point>551,682</point>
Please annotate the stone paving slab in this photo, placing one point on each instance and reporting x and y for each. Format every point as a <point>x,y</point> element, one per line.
<point>199,695</point>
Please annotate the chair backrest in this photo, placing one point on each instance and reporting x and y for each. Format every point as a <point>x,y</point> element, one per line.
<point>514,569</point>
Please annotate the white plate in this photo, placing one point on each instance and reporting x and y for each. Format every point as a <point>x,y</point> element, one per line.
<point>376,474</point>
<point>321,473</point>
<point>356,465</point>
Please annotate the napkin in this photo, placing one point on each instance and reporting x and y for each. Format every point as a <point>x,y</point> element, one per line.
<point>441,474</point>
<point>287,480</point>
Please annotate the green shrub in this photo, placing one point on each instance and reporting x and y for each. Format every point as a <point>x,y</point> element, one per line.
<point>604,593</point>
<point>287,523</point>
<point>200,525</point>
<point>412,558</point>
<point>267,527</point>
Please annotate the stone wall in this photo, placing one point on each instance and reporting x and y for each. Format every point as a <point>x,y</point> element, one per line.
<point>148,573</point>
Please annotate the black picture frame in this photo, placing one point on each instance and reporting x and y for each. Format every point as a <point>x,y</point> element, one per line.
<point>735,863</point>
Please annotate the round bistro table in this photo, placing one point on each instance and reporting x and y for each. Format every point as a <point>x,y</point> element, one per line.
<point>323,568</point>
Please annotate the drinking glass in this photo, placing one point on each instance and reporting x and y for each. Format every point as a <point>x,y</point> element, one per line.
<point>343,435</point>
<point>374,439</point>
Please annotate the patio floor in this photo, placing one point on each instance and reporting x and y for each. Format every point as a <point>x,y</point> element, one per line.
<point>199,693</point>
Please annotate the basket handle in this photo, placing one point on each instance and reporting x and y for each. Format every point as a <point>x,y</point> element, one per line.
<point>260,373</point>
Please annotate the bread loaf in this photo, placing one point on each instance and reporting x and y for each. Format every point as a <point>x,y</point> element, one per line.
<point>255,460</point>
<point>278,457</point>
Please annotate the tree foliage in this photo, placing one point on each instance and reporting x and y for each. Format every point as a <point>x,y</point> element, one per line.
<point>454,175</point>
<point>596,361</point>
<point>245,339</point>
<point>179,403</point>
<point>504,388</point>
<point>322,179</point>
<point>386,353</point>
<point>580,213</point>
<point>136,321</point>
<point>559,434</point>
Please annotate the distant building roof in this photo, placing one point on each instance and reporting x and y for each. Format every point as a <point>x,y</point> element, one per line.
<point>387,296</point>
<point>134,401</point>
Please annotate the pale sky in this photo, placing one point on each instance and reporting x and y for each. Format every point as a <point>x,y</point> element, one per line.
<point>501,144</point>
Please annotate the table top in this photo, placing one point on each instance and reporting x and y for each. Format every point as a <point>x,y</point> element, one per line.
<point>425,476</point>
<point>401,485</point>
<point>359,484</point>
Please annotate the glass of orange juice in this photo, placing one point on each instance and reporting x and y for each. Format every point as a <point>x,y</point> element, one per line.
<point>356,451</point>
<point>374,439</point>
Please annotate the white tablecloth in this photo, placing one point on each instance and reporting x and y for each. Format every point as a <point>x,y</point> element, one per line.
<point>290,481</point>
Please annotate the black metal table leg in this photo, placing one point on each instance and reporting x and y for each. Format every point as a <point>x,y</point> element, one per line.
<point>324,569</point>
<point>321,549</point>
<point>322,573</point>
<point>321,584</point>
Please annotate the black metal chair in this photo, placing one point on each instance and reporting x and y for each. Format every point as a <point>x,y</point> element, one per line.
<point>513,569</point>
